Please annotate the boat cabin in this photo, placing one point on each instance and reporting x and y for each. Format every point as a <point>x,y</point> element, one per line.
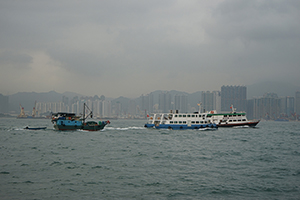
<point>178,118</point>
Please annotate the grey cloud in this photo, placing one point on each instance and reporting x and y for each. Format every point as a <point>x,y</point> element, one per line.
<point>16,60</point>
<point>236,41</point>
<point>256,20</point>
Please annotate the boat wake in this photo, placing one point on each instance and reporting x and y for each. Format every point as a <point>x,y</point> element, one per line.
<point>246,126</point>
<point>207,129</point>
<point>125,128</point>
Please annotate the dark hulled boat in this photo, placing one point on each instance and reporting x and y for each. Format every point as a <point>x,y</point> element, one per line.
<point>70,121</point>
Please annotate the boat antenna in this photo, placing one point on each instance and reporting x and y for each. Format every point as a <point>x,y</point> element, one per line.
<point>232,108</point>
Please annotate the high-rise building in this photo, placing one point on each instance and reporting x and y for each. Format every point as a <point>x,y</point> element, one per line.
<point>233,95</point>
<point>250,109</point>
<point>132,108</point>
<point>287,106</point>
<point>164,100</point>
<point>211,101</point>
<point>106,110</point>
<point>3,103</point>
<point>147,103</point>
<point>267,107</point>
<point>181,103</point>
<point>297,103</point>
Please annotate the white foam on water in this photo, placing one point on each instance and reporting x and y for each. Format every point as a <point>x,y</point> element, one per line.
<point>125,128</point>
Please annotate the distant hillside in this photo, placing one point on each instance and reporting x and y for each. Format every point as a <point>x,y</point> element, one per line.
<point>27,99</point>
<point>281,89</point>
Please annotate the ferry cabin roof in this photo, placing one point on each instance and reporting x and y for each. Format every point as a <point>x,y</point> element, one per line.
<point>171,116</point>
<point>226,114</point>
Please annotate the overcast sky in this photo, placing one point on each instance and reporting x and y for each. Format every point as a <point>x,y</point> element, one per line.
<point>133,47</point>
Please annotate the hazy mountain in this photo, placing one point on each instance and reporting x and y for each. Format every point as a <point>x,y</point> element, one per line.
<point>27,99</point>
<point>280,88</point>
<point>123,102</point>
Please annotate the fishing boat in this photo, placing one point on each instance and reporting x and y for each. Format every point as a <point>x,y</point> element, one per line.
<point>70,121</point>
<point>180,121</point>
<point>35,128</point>
<point>231,119</point>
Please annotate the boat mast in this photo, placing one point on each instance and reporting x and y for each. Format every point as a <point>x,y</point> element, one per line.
<point>90,114</point>
<point>83,112</point>
<point>199,104</point>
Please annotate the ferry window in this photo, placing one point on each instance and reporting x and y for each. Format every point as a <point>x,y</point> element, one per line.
<point>184,122</point>
<point>225,116</point>
<point>193,115</point>
<point>197,122</point>
<point>230,120</point>
<point>180,122</point>
<point>171,122</point>
<point>175,116</point>
<point>175,122</point>
<point>193,122</point>
<point>239,120</point>
<point>184,115</point>
<point>201,122</point>
<point>188,115</point>
<point>180,115</point>
<point>234,120</point>
<point>244,119</point>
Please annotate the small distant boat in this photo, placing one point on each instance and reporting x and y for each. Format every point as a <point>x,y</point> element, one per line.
<point>35,128</point>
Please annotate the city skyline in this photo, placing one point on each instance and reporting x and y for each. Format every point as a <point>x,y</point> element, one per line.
<point>256,90</point>
<point>270,106</point>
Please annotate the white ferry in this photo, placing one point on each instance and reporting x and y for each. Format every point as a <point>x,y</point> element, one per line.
<point>178,121</point>
<point>231,119</point>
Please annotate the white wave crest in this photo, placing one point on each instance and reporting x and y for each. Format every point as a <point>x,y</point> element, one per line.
<point>125,128</point>
<point>207,129</point>
<point>246,126</point>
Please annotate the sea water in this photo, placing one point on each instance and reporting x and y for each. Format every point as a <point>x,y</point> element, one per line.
<point>128,161</point>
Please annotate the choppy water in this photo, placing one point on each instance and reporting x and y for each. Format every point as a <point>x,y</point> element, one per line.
<point>127,161</point>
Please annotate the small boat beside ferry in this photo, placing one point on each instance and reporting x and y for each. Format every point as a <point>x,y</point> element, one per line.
<point>35,128</point>
<point>231,119</point>
<point>70,121</point>
<point>180,121</point>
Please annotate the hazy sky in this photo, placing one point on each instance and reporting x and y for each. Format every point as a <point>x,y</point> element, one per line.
<point>128,48</point>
